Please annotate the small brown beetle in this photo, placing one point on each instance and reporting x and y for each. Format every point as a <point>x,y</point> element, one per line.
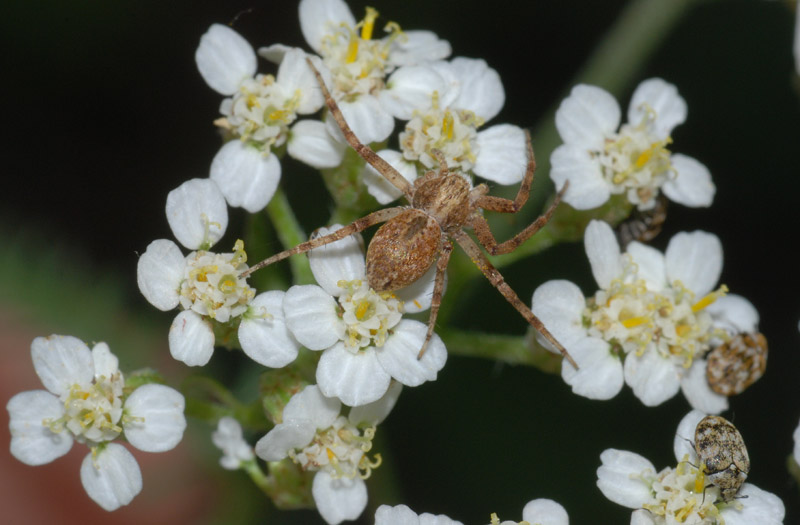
<point>722,455</point>
<point>737,364</point>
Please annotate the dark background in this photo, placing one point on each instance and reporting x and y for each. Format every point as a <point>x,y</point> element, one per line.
<point>104,113</point>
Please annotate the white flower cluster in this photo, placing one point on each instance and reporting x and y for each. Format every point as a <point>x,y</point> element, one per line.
<point>601,160</point>
<point>85,401</point>
<point>652,321</point>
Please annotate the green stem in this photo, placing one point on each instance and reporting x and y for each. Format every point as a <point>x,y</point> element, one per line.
<point>208,400</point>
<point>290,233</point>
<point>512,349</point>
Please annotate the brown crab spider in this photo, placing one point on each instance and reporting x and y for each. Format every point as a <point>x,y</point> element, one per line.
<point>442,204</point>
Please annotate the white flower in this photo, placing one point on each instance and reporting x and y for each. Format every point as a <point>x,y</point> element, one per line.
<point>366,342</point>
<point>316,437</point>
<point>599,160</point>
<point>84,402</point>
<point>209,286</point>
<point>680,494</point>
<point>259,112</point>
<point>657,312</point>
<point>228,438</point>
<point>357,64</point>
<point>446,119</point>
<point>402,515</point>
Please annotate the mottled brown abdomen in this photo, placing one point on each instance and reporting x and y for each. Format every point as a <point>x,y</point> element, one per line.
<point>402,250</point>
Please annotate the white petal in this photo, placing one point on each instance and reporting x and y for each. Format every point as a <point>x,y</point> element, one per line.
<point>274,53</point>
<point>356,379</point>
<point>652,378</point>
<point>660,97</point>
<point>322,17</point>
<point>197,213</point>
<point>32,442</point>
<point>697,392</point>
<point>156,421</point>
<point>224,59</point>
<point>374,413</point>
<point>310,314</point>
<point>397,515</point>
<point>106,364</point>
<point>587,116</point>
<point>642,517</point>
<point>439,519</point>
<point>559,305</point>
<point>683,443</point>
<point>734,313</point>
<point>587,189</point>
<point>602,249</point>
<point>292,434</point>
<point>113,478</point>
<point>377,185</point>
<point>759,507</point>
<point>309,404</point>
<point>398,356</point>
<point>545,512</point>
<point>337,261</point>
<point>418,295</point>
<point>245,176</point>
<point>338,499</point>
<point>694,259</point>
<point>61,361</point>
<point>481,90</point>
<point>411,89</point>
<point>692,185</point>
<point>502,154</point>
<point>651,265</point>
<point>418,47</point>
<point>267,340</point>
<point>600,373</point>
<point>191,339</point>
<point>310,143</point>
<point>366,117</point>
<point>615,478</point>
<point>295,76</point>
<point>159,273</point>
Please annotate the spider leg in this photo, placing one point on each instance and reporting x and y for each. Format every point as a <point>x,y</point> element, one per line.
<point>366,153</point>
<point>499,204</point>
<point>438,290</point>
<point>354,227</point>
<point>499,282</point>
<point>486,238</point>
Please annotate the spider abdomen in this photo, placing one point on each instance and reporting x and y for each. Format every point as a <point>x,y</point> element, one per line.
<point>402,250</point>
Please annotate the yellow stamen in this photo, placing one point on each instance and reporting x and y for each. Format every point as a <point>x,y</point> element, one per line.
<point>710,298</point>
<point>369,23</point>
<point>352,50</point>
<point>447,125</point>
<point>634,321</point>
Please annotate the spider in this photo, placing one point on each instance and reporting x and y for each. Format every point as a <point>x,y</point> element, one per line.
<point>442,204</point>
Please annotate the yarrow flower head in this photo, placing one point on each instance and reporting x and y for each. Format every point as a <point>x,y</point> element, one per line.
<point>356,64</point>
<point>259,112</point>
<point>315,435</point>
<point>659,313</point>
<point>601,160</point>
<point>365,340</point>
<point>210,287</point>
<point>467,94</point>
<point>681,494</point>
<point>86,401</point>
